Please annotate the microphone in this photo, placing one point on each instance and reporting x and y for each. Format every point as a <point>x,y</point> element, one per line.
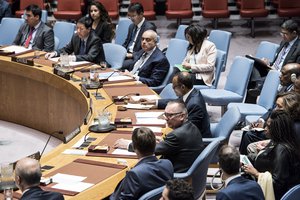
<point>50,136</point>
<point>136,94</point>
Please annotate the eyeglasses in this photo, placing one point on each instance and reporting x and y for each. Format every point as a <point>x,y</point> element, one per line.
<point>170,115</point>
<point>131,16</point>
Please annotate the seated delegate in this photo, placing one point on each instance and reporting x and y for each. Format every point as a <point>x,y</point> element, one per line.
<point>84,45</point>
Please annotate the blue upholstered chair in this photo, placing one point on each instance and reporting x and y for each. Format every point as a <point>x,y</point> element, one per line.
<point>235,87</point>
<point>266,50</point>
<point>225,126</point>
<point>122,30</point>
<point>154,194</point>
<point>220,59</point>
<point>174,56</point>
<point>9,28</point>
<point>168,92</point>
<point>266,99</point>
<point>292,194</point>
<point>56,43</point>
<point>114,54</point>
<point>197,173</point>
<point>180,32</point>
<point>64,32</point>
<point>222,41</point>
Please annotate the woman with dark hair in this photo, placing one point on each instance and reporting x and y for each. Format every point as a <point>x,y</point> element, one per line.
<point>201,55</point>
<point>281,157</point>
<point>101,22</point>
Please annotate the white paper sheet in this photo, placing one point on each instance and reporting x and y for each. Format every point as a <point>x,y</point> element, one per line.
<point>76,187</point>
<point>16,49</point>
<point>54,59</point>
<point>75,152</point>
<point>148,114</point>
<point>66,178</point>
<point>123,152</point>
<point>150,97</point>
<point>72,64</point>
<point>137,106</point>
<point>119,78</point>
<point>79,142</point>
<point>150,121</point>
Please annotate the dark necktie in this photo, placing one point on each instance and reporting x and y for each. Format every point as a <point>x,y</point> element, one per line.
<point>82,47</point>
<point>135,29</point>
<point>29,37</point>
<point>280,56</point>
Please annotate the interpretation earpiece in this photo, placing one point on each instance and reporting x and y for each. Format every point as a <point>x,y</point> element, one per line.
<point>293,77</point>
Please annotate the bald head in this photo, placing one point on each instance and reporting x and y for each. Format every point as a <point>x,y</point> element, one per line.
<point>27,173</point>
<point>149,40</point>
<point>289,73</point>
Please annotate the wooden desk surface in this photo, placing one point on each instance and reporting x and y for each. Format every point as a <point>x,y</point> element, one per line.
<point>35,97</point>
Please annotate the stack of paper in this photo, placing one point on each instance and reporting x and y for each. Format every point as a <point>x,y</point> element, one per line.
<point>149,118</point>
<point>70,182</point>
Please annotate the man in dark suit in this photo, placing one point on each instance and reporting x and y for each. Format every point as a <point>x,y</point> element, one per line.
<point>149,173</point>
<point>27,177</point>
<point>149,66</point>
<point>136,29</point>
<point>177,189</point>
<point>288,52</point>
<point>85,45</point>
<point>182,145</point>
<point>5,10</point>
<point>236,186</point>
<point>193,100</point>
<point>35,34</point>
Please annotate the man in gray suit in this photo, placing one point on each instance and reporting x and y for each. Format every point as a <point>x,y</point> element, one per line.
<point>181,146</point>
<point>35,34</point>
<point>84,45</point>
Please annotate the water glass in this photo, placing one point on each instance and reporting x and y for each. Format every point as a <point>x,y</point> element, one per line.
<point>104,119</point>
<point>103,65</point>
<point>8,194</point>
<point>64,59</point>
<point>92,73</point>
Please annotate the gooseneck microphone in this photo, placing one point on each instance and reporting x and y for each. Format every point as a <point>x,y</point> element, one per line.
<point>134,94</point>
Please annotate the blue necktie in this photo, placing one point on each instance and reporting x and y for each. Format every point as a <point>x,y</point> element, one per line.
<point>82,47</point>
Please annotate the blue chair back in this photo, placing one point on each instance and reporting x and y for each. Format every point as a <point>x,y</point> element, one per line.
<point>122,30</point>
<point>153,194</point>
<point>292,194</point>
<point>174,56</point>
<point>198,171</point>
<point>266,50</point>
<point>269,90</point>
<point>114,54</point>
<point>56,43</point>
<point>222,41</point>
<point>168,92</point>
<point>180,32</point>
<point>239,74</point>
<point>8,30</point>
<point>64,32</point>
<point>227,123</point>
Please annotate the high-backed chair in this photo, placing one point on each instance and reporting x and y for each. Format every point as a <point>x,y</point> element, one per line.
<point>235,87</point>
<point>25,3</point>
<point>292,194</point>
<point>220,59</point>
<point>174,57</point>
<point>288,8</point>
<point>222,41</point>
<point>68,10</point>
<point>266,99</point>
<point>64,32</point>
<point>180,32</point>
<point>114,54</point>
<point>215,9</point>
<point>179,10</point>
<point>112,7</point>
<point>168,92</point>
<point>253,9</point>
<point>56,43</point>
<point>153,194</point>
<point>266,50</point>
<point>148,6</point>
<point>197,173</point>
<point>225,126</point>
<point>122,30</point>
<point>9,28</point>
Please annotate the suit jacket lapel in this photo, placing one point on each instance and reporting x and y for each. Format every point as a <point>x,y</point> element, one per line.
<point>38,32</point>
<point>291,51</point>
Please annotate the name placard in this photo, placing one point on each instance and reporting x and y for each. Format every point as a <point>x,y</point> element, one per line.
<point>62,73</point>
<point>24,61</point>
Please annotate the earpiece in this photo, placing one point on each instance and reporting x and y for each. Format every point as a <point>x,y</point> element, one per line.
<point>293,77</point>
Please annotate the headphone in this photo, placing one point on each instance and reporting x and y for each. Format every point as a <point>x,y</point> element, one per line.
<point>293,77</point>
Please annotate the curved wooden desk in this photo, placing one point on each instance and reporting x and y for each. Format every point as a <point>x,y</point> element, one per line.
<point>35,97</point>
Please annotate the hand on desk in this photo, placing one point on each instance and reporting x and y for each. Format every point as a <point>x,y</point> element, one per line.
<point>50,55</point>
<point>127,73</point>
<point>122,143</point>
<point>145,101</point>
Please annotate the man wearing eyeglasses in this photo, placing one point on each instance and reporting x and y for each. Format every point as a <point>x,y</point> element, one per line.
<point>136,29</point>
<point>35,34</point>
<point>288,52</point>
<point>181,146</point>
